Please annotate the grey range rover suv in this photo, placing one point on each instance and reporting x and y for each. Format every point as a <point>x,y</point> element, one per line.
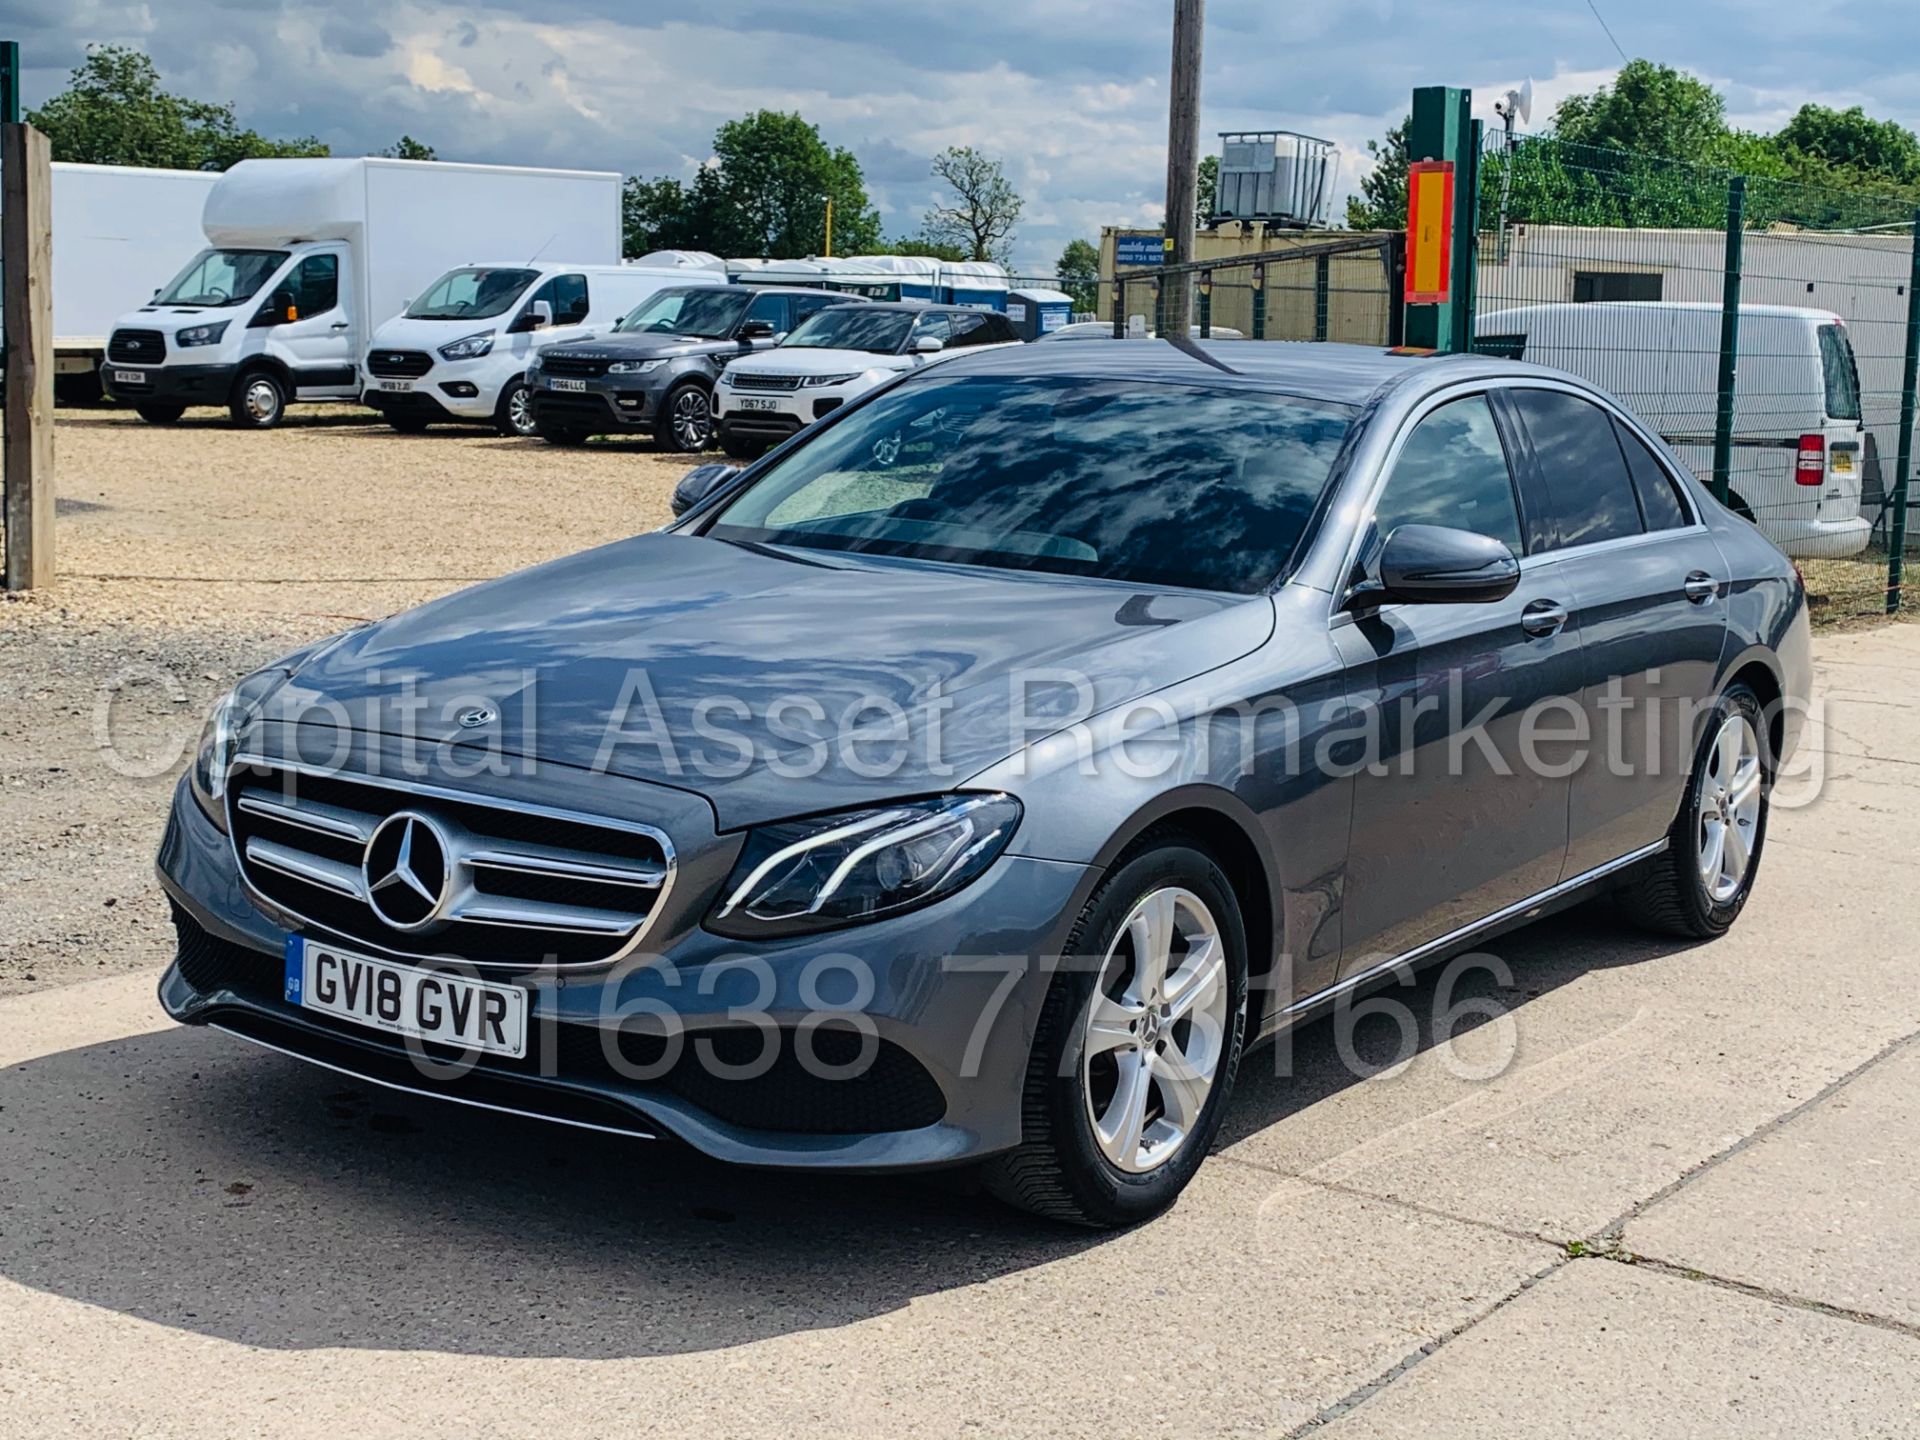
<point>972,780</point>
<point>654,372</point>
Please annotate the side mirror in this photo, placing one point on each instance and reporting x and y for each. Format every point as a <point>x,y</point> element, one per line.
<point>757,330</point>
<point>1438,565</point>
<point>541,312</point>
<point>929,345</point>
<point>698,484</point>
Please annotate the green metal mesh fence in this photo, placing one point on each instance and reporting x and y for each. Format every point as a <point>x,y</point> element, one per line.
<point>1627,270</point>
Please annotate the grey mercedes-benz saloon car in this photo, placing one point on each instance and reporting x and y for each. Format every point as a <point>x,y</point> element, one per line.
<point>975,777</point>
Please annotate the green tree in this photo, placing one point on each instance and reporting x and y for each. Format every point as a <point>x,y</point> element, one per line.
<point>1850,140</point>
<point>763,193</point>
<point>1382,201</point>
<point>1078,273</point>
<point>774,174</point>
<point>1648,109</point>
<point>408,148</point>
<point>113,112</point>
<point>983,209</point>
<point>1206,190</point>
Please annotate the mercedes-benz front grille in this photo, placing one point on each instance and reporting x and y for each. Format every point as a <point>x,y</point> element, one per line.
<point>747,380</point>
<point>573,365</point>
<point>137,347</point>
<point>418,871</point>
<point>399,364</point>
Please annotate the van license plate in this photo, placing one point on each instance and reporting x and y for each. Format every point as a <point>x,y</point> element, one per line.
<point>129,377</point>
<point>756,404</point>
<point>568,384</point>
<point>399,387</point>
<point>1843,462</point>
<point>438,1006</point>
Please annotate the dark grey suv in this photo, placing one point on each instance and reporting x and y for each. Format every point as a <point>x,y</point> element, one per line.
<point>974,779</point>
<point>654,371</point>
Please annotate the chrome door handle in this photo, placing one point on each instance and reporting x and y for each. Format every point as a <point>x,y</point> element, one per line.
<point>1543,617</point>
<point>1701,587</point>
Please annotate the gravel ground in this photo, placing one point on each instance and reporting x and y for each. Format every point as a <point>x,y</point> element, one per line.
<point>193,554</point>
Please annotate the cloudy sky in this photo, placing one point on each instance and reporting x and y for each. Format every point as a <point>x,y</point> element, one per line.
<point>1072,95</point>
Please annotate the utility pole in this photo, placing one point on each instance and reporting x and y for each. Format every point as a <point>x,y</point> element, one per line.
<point>1183,162</point>
<point>829,249</point>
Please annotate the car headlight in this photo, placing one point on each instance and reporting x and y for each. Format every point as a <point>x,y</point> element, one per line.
<point>200,334</point>
<point>805,875</point>
<point>468,347</point>
<point>220,739</point>
<point>633,367</point>
<point>811,381</point>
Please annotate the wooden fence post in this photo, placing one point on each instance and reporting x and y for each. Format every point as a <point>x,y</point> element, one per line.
<point>26,257</point>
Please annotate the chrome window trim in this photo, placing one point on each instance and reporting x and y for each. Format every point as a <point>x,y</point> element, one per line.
<point>421,789</point>
<point>1485,385</point>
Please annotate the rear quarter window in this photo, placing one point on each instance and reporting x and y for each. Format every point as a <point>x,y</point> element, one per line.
<point>1839,373</point>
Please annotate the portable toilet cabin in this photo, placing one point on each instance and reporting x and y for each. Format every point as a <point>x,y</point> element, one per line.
<point>979,283</point>
<point>1039,312</point>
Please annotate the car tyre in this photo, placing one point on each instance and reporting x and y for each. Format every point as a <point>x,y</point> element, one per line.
<point>160,414</point>
<point>259,400</point>
<point>1695,889</point>
<point>1079,1160</point>
<point>685,420</point>
<point>513,416</point>
<point>741,447</point>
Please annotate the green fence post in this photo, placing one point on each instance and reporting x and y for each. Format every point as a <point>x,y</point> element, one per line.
<point>1119,309</point>
<point>10,81</point>
<point>1903,465</point>
<point>1206,304</point>
<point>1442,129</point>
<point>1322,264</point>
<point>1260,301</point>
<point>1729,338</point>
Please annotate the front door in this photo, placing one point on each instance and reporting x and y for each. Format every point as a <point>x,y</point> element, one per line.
<point>317,344</point>
<point>1461,809</point>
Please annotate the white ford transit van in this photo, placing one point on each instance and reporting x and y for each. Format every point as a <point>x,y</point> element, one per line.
<point>1798,439</point>
<point>460,350</point>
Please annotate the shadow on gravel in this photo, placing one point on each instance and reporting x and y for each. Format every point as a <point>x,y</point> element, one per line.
<point>188,1179</point>
<point>108,418</point>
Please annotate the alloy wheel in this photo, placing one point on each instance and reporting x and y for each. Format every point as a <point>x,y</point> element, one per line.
<point>1156,1030</point>
<point>1730,794</point>
<point>692,420</point>
<point>520,410</point>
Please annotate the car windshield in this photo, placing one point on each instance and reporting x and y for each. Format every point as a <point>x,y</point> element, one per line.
<point>852,327</point>
<point>709,312</point>
<point>222,277</point>
<point>472,292</point>
<point>1196,486</point>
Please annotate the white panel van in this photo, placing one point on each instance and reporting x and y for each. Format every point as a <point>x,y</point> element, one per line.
<point>1798,440</point>
<point>460,350</point>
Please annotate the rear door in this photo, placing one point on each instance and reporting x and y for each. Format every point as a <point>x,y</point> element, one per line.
<point>1649,591</point>
<point>1451,822</point>
<point>1843,426</point>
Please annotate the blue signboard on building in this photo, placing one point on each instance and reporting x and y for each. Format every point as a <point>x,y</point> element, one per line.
<point>1137,249</point>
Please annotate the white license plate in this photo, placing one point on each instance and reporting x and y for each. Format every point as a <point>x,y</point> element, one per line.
<point>129,377</point>
<point>431,1005</point>
<point>399,386</point>
<point>756,404</point>
<point>568,384</point>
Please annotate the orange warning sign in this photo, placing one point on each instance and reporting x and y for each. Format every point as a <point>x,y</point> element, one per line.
<point>1430,232</point>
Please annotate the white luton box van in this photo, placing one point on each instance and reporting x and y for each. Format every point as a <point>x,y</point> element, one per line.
<point>460,350</point>
<point>305,257</point>
<point>1798,437</point>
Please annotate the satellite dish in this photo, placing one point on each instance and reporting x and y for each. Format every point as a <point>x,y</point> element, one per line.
<point>1523,102</point>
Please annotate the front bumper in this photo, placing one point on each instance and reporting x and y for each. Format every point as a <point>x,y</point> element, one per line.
<point>168,384</point>
<point>440,394</point>
<point>951,1036</point>
<point>778,414</point>
<point>607,405</point>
